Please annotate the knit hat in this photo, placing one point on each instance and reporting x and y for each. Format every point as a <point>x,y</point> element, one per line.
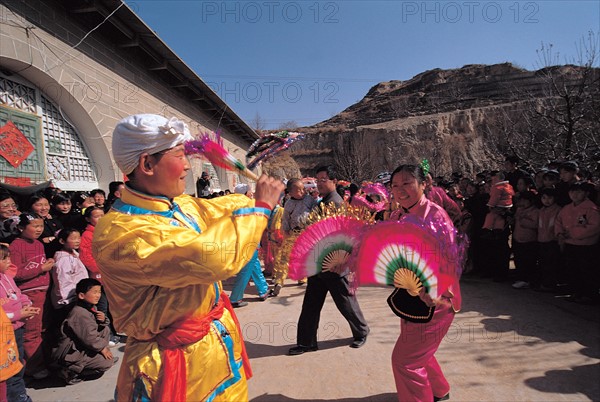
<point>241,188</point>
<point>141,133</point>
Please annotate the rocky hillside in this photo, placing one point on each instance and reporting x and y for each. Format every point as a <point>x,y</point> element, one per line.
<point>455,118</point>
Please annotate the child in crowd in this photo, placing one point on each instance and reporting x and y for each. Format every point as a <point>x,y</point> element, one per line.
<point>92,215</point>
<point>68,270</point>
<point>114,192</point>
<point>525,183</point>
<point>27,253</point>
<point>80,201</point>
<point>18,309</point>
<point>501,193</point>
<point>568,176</point>
<point>9,354</point>
<point>99,197</point>
<point>550,179</point>
<point>538,178</point>
<point>578,229</point>
<point>296,209</point>
<point>524,239</point>
<point>465,222</point>
<point>8,210</point>
<point>83,345</point>
<point>63,212</point>
<point>38,204</point>
<point>549,256</point>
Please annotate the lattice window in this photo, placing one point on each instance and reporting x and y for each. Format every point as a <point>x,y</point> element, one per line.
<point>65,153</point>
<point>17,95</point>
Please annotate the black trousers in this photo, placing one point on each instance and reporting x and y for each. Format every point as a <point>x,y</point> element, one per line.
<point>581,270</point>
<point>526,256</point>
<point>314,298</point>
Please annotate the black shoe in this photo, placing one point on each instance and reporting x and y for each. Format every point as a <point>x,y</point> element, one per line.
<point>275,291</point>
<point>240,303</point>
<point>358,342</point>
<point>298,350</point>
<point>70,377</point>
<point>442,398</point>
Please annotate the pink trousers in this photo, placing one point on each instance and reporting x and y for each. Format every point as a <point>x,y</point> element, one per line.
<point>417,373</point>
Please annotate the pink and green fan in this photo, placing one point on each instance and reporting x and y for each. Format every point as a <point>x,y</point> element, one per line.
<point>326,245</point>
<point>407,254</point>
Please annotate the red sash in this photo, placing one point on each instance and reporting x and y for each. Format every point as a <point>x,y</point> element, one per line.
<point>179,334</point>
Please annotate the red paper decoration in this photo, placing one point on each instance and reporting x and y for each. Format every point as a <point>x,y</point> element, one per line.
<point>14,146</point>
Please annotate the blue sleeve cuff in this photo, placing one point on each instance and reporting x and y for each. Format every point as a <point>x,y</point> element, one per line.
<point>252,211</point>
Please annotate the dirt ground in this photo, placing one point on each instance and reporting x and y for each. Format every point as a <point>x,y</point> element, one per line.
<point>505,345</point>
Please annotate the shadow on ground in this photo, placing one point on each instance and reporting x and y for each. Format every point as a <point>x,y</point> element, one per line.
<point>569,381</point>
<point>257,350</point>
<point>391,397</point>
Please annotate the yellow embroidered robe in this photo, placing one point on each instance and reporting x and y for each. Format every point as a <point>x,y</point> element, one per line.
<point>162,261</point>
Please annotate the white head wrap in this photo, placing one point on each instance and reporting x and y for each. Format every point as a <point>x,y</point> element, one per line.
<point>241,188</point>
<point>140,133</point>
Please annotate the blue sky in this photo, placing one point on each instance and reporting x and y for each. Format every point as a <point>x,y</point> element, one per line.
<point>306,61</point>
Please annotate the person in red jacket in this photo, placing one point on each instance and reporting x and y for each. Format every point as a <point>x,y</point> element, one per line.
<point>18,310</point>
<point>501,195</point>
<point>439,196</point>
<point>92,215</point>
<point>524,239</point>
<point>32,277</point>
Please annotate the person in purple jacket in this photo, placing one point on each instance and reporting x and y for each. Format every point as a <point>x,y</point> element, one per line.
<point>18,308</point>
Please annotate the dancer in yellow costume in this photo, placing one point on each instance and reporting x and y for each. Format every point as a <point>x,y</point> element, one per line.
<point>163,255</point>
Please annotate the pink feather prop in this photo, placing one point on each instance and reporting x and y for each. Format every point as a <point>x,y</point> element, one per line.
<point>377,189</point>
<point>217,155</point>
<point>371,189</point>
<point>326,245</point>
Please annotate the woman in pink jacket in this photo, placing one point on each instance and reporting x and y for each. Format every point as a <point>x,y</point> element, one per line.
<point>417,373</point>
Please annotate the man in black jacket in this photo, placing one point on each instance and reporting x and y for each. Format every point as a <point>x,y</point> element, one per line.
<point>318,286</point>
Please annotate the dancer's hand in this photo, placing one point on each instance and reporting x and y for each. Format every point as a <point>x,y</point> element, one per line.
<point>268,190</point>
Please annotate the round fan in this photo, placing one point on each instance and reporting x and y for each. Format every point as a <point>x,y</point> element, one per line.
<point>325,246</point>
<point>407,254</point>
